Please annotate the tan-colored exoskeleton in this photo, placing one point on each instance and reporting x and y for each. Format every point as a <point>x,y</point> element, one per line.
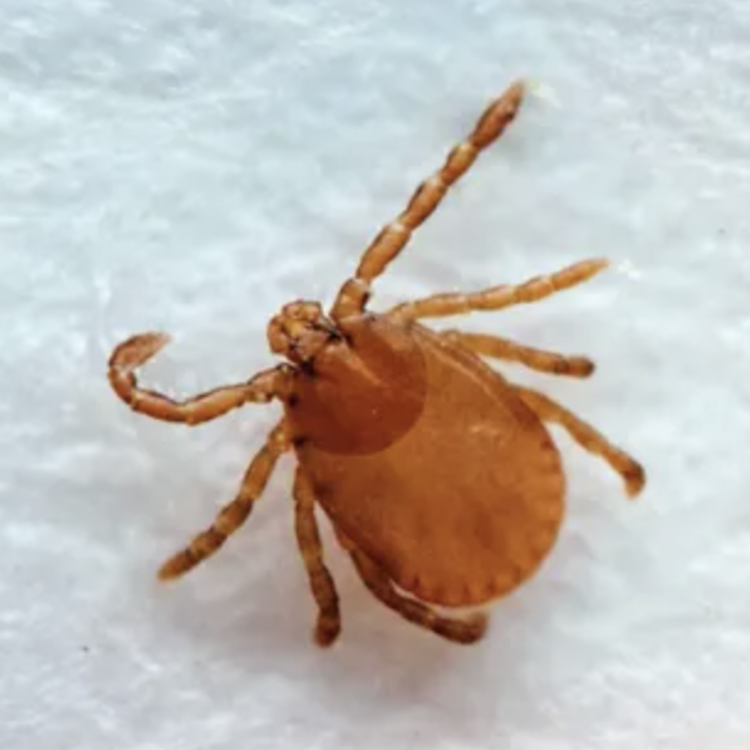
<point>438,475</point>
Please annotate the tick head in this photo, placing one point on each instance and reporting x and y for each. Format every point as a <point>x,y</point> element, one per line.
<point>300,331</point>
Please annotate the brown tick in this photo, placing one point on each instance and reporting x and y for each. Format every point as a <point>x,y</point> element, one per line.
<point>438,475</point>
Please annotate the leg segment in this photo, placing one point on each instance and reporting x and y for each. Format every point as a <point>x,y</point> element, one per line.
<point>587,437</point>
<point>498,297</point>
<point>137,350</point>
<point>466,631</point>
<point>232,516</point>
<point>535,359</point>
<point>393,238</point>
<point>321,582</point>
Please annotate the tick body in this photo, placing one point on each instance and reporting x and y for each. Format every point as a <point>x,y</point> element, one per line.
<point>438,475</point>
<point>458,488</point>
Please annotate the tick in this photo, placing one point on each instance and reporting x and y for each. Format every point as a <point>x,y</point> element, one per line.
<point>438,474</point>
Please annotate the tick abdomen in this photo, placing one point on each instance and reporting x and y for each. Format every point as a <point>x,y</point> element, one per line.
<point>464,504</point>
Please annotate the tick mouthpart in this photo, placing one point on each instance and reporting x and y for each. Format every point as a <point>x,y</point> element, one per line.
<point>300,331</point>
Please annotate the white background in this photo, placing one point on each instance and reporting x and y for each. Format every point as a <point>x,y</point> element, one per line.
<point>191,165</point>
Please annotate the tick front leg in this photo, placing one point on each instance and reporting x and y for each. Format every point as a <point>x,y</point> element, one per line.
<point>498,297</point>
<point>466,631</point>
<point>392,239</point>
<point>587,437</point>
<point>136,351</point>
<point>321,582</point>
<point>510,351</point>
<point>233,515</point>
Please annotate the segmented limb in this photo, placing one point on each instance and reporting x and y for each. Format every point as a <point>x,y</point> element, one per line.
<point>498,297</point>
<point>392,239</point>
<point>233,515</point>
<point>134,352</point>
<point>587,437</point>
<point>464,631</point>
<point>510,351</point>
<point>322,586</point>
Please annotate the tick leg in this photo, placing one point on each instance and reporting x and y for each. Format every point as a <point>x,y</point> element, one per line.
<point>466,631</point>
<point>587,437</point>
<point>536,359</point>
<point>321,582</point>
<point>134,352</point>
<point>233,515</point>
<point>392,239</point>
<point>498,297</point>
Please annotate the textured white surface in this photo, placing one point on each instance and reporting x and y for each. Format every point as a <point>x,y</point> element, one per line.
<point>189,166</point>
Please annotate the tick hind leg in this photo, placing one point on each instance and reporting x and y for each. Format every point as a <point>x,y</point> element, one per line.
<point>498,297</point>
<point>510,351</point>
<point>232,516</point>
<point>321,582</point>
<point>465,631</point>
<point>353,295</point>
<point>587,437</point>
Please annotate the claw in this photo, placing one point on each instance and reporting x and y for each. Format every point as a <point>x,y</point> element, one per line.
<point>137,350</point>
<point>327,630</point>
<point>127,357</point>
<point>635,479</point>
